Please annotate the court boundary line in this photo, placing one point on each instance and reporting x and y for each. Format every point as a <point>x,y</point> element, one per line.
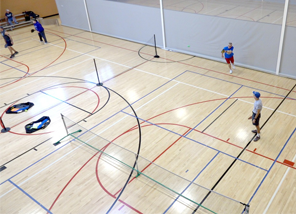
<point>27,194</point>
<point>197,142</point>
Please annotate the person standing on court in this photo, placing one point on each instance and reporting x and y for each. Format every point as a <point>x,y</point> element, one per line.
<point>228,53</point>
<point>8,42</point>
<point>10,18</point>
<point>256,114</point>
<point>40,30</point>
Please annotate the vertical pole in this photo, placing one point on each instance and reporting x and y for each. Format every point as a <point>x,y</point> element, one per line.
<point>99,83</point>
<point>87,16</point>
<point>5,129</point>
<point>156,56</point>
<point>162,24</point>
<point>278,65</point>
<point>64,124</point>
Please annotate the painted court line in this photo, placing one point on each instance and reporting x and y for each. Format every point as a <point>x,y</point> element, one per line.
<point>30,196</point>
<point>278,187</point>
<point>192,181</point>
<point>213,111</point>
<point>271,166</point>
<point>80,145</point>
<point>196,141</point>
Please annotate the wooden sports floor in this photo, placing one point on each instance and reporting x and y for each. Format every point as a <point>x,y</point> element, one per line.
<point>195,146</point>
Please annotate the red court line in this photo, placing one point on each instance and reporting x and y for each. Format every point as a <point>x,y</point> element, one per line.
<point>10,68</point>
<point>39,69</point>
<point>181,62</point>
<point>87,89</point>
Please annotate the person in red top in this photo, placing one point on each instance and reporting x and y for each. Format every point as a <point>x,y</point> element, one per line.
<point>228,53</point>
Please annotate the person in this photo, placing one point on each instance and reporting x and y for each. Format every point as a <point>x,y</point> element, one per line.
<point>256,114</point>
<point>228,53</point>
<point>40,30</point>
<point>9,17</point>
<point>8,42</point>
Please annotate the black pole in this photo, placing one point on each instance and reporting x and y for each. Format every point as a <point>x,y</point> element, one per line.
<point>99,84</point>
<point>5,129</point>
<point>156,56</point>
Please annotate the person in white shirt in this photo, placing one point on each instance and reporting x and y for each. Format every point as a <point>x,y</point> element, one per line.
<point>256,114</point>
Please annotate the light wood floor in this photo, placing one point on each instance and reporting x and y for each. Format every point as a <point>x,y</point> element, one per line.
<point>194,125</point>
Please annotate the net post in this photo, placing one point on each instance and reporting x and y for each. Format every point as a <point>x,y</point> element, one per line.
<point>246,209</point>
<point>64,124</point>
<point>5,129</point>
<point>156,56</point>
<point>99,83</point>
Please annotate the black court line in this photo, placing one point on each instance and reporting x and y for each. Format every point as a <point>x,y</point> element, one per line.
<point>219,115</point>
<point>203,200</point>
<point>66,102</point>
<point>3,165</point>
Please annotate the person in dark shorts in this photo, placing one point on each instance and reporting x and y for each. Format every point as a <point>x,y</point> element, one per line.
<point>256,114</point>
<point>40,29</point>
<point>227,52</point>
<point>8,42</point>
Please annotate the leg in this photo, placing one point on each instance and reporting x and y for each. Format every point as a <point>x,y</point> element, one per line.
<point>43,35</point>
<point>9,21</point>
<point>14,50</point>
<point>40,37</point>
<point>15,20</point>
<point>232,62</point>
<point>10,49</point>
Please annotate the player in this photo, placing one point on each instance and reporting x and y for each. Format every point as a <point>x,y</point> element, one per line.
<point>40,30</point>
<point>256,114</point>
<point>228,52</point>
<point>8,42</point>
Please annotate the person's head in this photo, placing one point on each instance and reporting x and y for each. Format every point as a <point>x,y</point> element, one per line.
<point>229,44</point>
<point>34,21</point>
<point>256,95</point>
<point>7,10</point>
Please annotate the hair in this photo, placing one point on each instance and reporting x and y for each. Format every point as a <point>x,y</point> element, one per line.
<point>230,43</point>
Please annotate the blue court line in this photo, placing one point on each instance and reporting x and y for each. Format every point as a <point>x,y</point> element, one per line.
<point>14,67</point>
<point>192,182</point>
<point>240,84</point>
<point>195,141</point>
<point>213,111</point>
<point>271,166</point>
<point>88,130</point>
<point>30,196</point>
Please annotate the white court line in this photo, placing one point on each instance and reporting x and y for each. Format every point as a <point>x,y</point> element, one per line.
<point>278,187</point>
<point>45,75</point>
<point>277,20</point>
<point>83,144</point>
<point>167,78</point>
<point>139,108</point>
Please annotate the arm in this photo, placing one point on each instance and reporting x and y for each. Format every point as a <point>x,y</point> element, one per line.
<point>257,114</point>
<point>6,19</point>
<point>223,51</point>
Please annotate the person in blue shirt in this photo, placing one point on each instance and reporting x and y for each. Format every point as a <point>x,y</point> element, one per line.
<point>40,29</point>
<point>10,18</point>
<point>228,53</point>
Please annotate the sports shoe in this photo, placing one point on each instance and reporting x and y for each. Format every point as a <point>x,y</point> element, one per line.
<point>12,55</point>
<point>254,131</point>
<point>257,138</point>
<point>233,67</point>
<point>16,52</point>
<point>230,71</point>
